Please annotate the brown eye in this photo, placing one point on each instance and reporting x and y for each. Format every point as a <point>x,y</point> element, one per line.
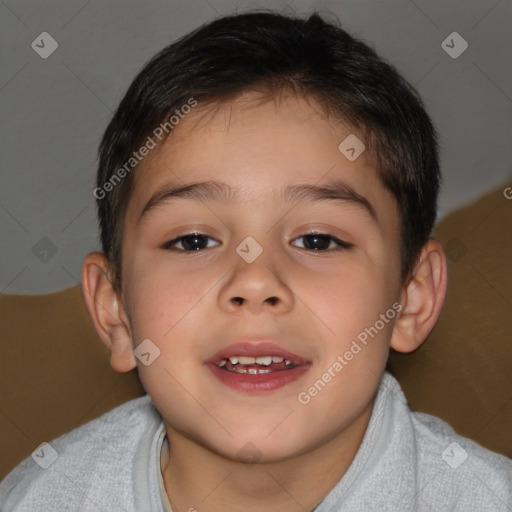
<point>322,242</point>
<point>189,243</point>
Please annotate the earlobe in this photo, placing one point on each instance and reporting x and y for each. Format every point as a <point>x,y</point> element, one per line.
<point>422,299</point>
<point>107,311</point>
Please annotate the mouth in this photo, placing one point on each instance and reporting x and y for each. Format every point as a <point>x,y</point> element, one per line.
<point>258,367</point>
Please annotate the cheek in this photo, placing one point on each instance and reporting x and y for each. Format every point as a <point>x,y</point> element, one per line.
<point>166,309</point>
<point>344,301</point>
<point>163,299</point>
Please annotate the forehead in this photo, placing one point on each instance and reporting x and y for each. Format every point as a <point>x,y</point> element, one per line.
<point>259,146</point>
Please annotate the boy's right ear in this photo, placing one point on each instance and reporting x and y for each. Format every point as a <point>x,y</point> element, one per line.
<point>107,312</point>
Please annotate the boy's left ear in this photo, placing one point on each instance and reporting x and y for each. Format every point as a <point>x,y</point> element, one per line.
<point>422,299</point>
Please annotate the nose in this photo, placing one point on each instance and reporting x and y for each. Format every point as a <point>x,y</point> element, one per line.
<point>255,287</point>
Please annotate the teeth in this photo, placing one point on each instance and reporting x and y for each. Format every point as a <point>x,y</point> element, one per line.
<point>253,371</point>
<point>261,360</point>
<point>246,360</point>
<point>265,360</point>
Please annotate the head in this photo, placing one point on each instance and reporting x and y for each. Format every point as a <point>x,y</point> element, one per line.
<point>264,103</point>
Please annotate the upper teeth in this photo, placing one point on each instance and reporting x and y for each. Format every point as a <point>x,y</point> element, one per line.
<point>264,360</point>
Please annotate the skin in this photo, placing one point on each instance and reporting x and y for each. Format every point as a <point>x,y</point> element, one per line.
<point>321,300</point>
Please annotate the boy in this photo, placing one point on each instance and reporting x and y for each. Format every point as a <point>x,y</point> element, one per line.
<point>308,170</point>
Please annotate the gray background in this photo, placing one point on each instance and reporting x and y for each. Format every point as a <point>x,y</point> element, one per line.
<point>54,110</point>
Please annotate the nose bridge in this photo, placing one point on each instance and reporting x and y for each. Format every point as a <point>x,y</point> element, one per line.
<point>256,280</point>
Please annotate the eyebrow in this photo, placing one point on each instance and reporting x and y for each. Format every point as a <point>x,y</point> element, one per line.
<point>336,191</point>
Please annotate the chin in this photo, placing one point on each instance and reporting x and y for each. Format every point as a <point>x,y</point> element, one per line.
<point>257,451</point>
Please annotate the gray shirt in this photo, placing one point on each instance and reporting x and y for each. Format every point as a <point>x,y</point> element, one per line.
<point>407,461</point>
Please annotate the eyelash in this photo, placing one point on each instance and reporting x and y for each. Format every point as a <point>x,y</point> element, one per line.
<point>342,245</point>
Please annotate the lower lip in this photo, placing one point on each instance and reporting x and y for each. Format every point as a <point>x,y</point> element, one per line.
<point>257,383</point>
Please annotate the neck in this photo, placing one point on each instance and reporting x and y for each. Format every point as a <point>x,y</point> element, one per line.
<point>197,478</point>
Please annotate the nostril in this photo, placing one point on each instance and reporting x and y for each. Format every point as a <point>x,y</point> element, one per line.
<point>272,300</point>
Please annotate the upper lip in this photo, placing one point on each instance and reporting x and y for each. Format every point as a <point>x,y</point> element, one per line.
<point>255,349</point>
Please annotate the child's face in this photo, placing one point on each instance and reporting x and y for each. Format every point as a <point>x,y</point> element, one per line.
<point>314,304</point>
